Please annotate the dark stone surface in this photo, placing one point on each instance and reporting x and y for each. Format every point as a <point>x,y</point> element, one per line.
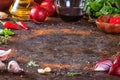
<point>63,46</point>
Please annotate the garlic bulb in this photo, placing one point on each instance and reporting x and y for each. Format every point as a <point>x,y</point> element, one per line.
<point>14,67</point>
<point>2,66</point>
<point>4,54</point>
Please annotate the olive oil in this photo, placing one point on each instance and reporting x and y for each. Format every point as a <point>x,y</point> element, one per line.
<point>20,9</point>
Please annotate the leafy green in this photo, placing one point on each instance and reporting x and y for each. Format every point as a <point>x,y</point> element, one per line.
<point>6,32</point>
<point>96,8</point>
<point>72,74</point>
<point>117,3</point>
<point>32,64</point>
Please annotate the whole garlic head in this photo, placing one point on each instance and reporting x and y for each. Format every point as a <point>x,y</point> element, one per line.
<point>14,67</point>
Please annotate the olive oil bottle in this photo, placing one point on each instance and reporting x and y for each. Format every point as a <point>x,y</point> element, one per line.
<point>20,9</point>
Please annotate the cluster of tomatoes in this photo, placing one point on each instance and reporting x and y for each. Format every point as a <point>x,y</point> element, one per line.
<point>115,20</point>
<point>44,9</point>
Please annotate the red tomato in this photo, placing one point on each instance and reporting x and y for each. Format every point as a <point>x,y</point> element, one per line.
<point>49,6</point>
<point>115,20</point>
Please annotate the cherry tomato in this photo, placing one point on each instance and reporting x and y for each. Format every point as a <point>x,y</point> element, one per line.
<point>115,20</point>
<point>49,6</point>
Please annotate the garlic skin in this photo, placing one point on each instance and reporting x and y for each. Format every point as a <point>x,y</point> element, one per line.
<point>14,67</point>
<point>4,54</point>
<point>2,66</point>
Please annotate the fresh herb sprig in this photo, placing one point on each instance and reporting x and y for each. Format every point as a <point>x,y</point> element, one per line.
<point>5,34</point>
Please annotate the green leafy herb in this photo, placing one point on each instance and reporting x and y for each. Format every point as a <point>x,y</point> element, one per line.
<point>96,8</point>
<point>6,31</point>
<point>72,74</point>
<point>32,64</point>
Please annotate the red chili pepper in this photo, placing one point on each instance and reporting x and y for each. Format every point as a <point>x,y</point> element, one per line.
<point>22,24</point>
<point>9,25</point>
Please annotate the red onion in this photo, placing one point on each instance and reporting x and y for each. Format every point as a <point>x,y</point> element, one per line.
<point>49,6</point>
<point>103,65</point>
<point>115,68</point>
<point>38,14</point>
<point>4,54</point>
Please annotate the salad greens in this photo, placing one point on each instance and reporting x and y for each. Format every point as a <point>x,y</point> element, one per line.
<point>96,8</point>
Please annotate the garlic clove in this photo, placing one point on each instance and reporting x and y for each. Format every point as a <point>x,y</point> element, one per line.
<point>4,54</point>
<point>41,71</point>
<point>47,69</point>
<point>2,66</point>
<point>14,67</point>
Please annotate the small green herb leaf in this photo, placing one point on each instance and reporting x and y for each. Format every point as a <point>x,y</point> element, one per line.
<point>72,74</point>
<point>32,64</point>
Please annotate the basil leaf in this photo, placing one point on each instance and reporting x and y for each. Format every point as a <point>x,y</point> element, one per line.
<point>117,3</point>
<point>95,6</point>
<point>7,32</point>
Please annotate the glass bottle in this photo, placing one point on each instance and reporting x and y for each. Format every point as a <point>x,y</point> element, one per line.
<point>20,9</point>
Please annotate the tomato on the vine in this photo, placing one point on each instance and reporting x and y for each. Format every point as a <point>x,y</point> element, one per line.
<point>115,20</point>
